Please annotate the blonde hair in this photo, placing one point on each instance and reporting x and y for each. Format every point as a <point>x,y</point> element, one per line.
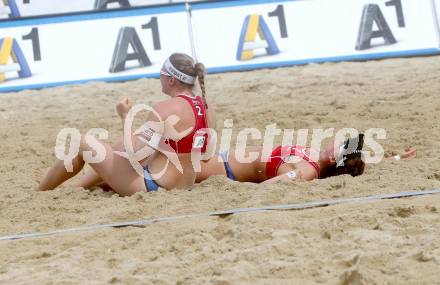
<point>184,63</point>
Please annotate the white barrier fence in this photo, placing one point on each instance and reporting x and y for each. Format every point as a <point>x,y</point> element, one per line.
<point>229,35</point>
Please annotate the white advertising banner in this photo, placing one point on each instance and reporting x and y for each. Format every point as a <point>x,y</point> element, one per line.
<point>315,31</point>
<point>27,8</point>
<point>86,47</point>
<point>228,35</point>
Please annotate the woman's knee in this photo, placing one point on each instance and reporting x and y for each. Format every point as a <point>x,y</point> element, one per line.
<point>92,150</point>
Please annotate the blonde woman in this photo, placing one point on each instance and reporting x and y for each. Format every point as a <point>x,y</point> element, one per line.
<point>178,77</point>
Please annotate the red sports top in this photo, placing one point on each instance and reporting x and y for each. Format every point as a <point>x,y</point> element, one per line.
<point>198,139</point>
<point>281,154</point>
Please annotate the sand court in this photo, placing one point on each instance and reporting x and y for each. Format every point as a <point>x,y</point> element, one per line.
<point>391,241</point>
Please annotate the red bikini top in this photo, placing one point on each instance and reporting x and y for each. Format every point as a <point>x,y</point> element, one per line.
<point>196,139</point>
<point>281,154</point>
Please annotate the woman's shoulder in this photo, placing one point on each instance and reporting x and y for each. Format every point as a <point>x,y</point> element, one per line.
<point>171,106</point>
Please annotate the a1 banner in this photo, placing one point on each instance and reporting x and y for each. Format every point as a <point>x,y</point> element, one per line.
<point>227,36</point>
<point>119,45</point>
<point>29,8</point>
<point>295,32</point>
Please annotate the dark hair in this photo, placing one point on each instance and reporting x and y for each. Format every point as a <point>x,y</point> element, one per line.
<point>352,166</point>
<point>349,161</point>
<point>185,64</point>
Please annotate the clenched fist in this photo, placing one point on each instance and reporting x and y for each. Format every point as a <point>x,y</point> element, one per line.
<point>123,107</point>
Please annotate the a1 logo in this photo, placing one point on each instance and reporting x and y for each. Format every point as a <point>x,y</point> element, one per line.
<point>371,15</point>
<point>10,49</point>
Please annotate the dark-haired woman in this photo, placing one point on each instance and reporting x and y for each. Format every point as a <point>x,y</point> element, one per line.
<point>282,167</point>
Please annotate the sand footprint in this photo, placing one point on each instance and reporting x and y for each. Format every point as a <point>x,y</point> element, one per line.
<point>352,275</point>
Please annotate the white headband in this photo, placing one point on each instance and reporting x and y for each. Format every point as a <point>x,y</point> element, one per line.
<point>169,67</point>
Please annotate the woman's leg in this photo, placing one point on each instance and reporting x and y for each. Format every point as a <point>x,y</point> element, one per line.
<point>115,170</point>
<point>57,174</point>
<point>91,178</point>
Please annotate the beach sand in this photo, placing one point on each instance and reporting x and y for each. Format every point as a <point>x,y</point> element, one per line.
<point>381,242</point>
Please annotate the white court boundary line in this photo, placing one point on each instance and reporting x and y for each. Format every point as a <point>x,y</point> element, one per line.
<point>297,206</point>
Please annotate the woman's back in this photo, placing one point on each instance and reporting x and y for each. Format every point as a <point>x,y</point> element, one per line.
<point>185,135</point>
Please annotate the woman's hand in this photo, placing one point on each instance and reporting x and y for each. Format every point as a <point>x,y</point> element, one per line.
<point>123,107</point>
<point>408,153</point>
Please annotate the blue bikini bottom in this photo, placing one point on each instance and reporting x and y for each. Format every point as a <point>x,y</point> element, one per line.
<point>224,155</point>
<point>150,184</point>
